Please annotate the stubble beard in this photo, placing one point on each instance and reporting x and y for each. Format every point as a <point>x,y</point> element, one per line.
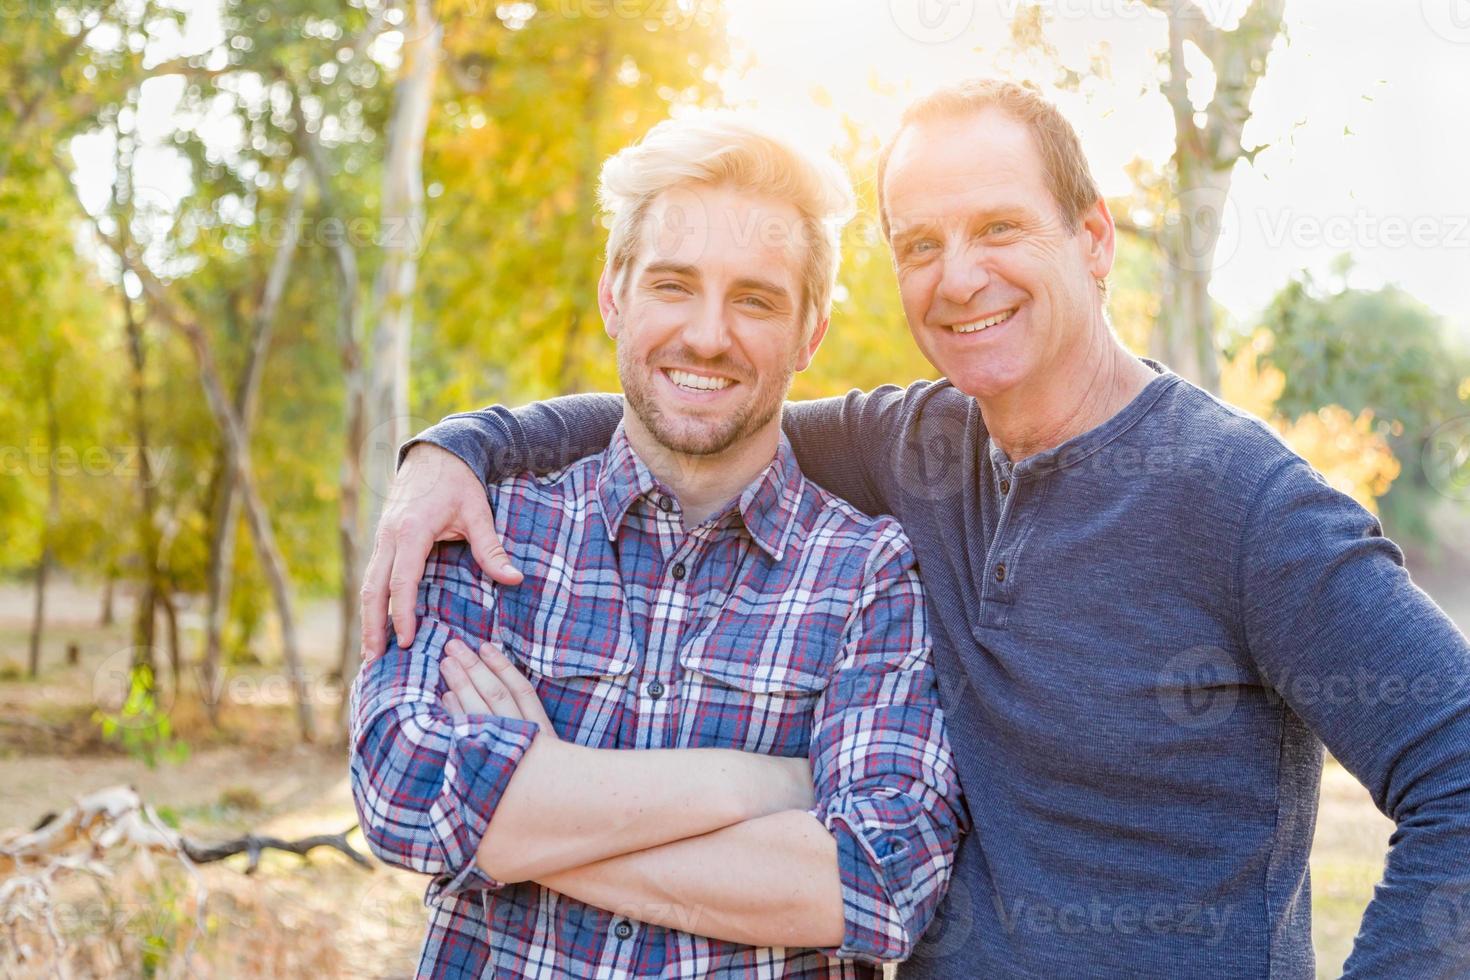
<point>696,439</point>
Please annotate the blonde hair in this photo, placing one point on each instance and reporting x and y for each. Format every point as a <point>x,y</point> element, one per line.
<point>717,148</point>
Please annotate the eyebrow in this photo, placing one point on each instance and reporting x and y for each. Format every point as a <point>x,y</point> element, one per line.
<point>763,286</point>
<point>692,272</point>
<point>672,268</point>
<point>1006,211</point>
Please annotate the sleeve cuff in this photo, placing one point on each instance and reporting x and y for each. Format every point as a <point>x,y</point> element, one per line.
<point>875,860</point>
<point>454,435</point>
<point>483,755</point>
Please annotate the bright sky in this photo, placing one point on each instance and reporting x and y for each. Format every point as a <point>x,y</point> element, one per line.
<point>1366,110</point>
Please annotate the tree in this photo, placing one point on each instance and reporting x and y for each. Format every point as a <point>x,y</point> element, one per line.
<point>1179,212</point>
<point>1207,146</point>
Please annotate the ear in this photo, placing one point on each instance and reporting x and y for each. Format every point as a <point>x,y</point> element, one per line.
<point>809,349</point>
<point>1098,239</point>
<point>607,302</point>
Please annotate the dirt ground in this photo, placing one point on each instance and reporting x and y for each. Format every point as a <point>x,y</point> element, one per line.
<point>325,916</point>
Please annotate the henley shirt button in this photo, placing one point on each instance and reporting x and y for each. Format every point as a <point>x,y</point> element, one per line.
<point>622,930</point>
<point>1000,572</point>
<point>665,504</point>
<point>1005,486</point>
<point>655,690</point>
<point>678,572</point>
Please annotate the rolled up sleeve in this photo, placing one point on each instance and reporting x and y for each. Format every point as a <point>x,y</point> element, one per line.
<point>886,785</point>
<point>425,784</point>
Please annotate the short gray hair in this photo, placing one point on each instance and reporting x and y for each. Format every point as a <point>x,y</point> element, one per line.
<point>726,148</point>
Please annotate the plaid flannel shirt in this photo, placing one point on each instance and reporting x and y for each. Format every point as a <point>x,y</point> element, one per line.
<point>789,624</point>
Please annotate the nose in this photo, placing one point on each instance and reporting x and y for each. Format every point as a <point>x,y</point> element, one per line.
<point>963,276</point>
<point>707,334</point>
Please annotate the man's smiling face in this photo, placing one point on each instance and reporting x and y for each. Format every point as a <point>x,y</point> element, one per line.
<point>995,284</point>
<point>708,317</point>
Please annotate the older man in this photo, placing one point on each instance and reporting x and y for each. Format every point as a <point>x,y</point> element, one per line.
<point>1149,613</point>
<point>793,810</point>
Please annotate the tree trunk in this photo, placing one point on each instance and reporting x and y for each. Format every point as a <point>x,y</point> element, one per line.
<point>147,530</point>
<point>349,352</point>
<point>378,404</point>
<point>255,514</point>
<point>1207,145</point>
<point>108,616</point>
<point>402,221</point>
<point>227,503</point>
<point>349,514</point>
<point>171,618</point>
<point>224,517</point>
<point>48,531</point>
<point>1185,336</point>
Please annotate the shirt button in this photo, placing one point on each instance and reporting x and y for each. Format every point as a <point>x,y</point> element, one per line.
<point>665,504</point>
<point>1000,572</point>
<point>622,930</point>
<point>655,690</point>
<point>678,572</point>
<point>1005,486</point>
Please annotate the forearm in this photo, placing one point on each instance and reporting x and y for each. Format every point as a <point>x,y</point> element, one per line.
<point>568,805</point>
<point>498,442</point>
<point>770,881</point>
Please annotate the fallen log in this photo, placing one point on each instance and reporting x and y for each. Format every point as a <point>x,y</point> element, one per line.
<point>110,823</point>
<point>117,817</point>
<point>253,845</point>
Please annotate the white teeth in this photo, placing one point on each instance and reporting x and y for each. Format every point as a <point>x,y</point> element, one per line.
<point>979,325</point>
<point>698,382</point>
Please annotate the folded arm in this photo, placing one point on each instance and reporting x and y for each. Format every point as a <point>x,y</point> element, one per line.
<point>771,881</point>
<point>861,873</point>
<point>430,787</point>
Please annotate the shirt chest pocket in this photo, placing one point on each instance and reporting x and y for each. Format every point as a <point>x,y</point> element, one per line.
<point>582,683</point>
<point>747,696</point>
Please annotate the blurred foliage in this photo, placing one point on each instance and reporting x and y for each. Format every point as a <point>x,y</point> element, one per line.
<point>530,99</point>
<point>139,726</point>
<point>868,340</point>
<point>1347,449</point>
<point>533,103</point>
<point>1379,352</point>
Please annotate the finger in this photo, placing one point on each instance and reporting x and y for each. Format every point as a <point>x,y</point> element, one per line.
<point>452,704</point>
<point>486,685</point>
<point>486,546</point>
<point>374,601</point>
<point>410,554</point>
<point>460,687</point>
<point>522,691</point>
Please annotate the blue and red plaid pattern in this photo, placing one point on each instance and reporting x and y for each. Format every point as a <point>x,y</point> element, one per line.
<point>790,624</point>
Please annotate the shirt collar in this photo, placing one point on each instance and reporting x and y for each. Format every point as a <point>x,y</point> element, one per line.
<point>768,506</point>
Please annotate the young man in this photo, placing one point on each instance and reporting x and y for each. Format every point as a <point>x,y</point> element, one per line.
<point>1149,613</point>
<point>791,809</point>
